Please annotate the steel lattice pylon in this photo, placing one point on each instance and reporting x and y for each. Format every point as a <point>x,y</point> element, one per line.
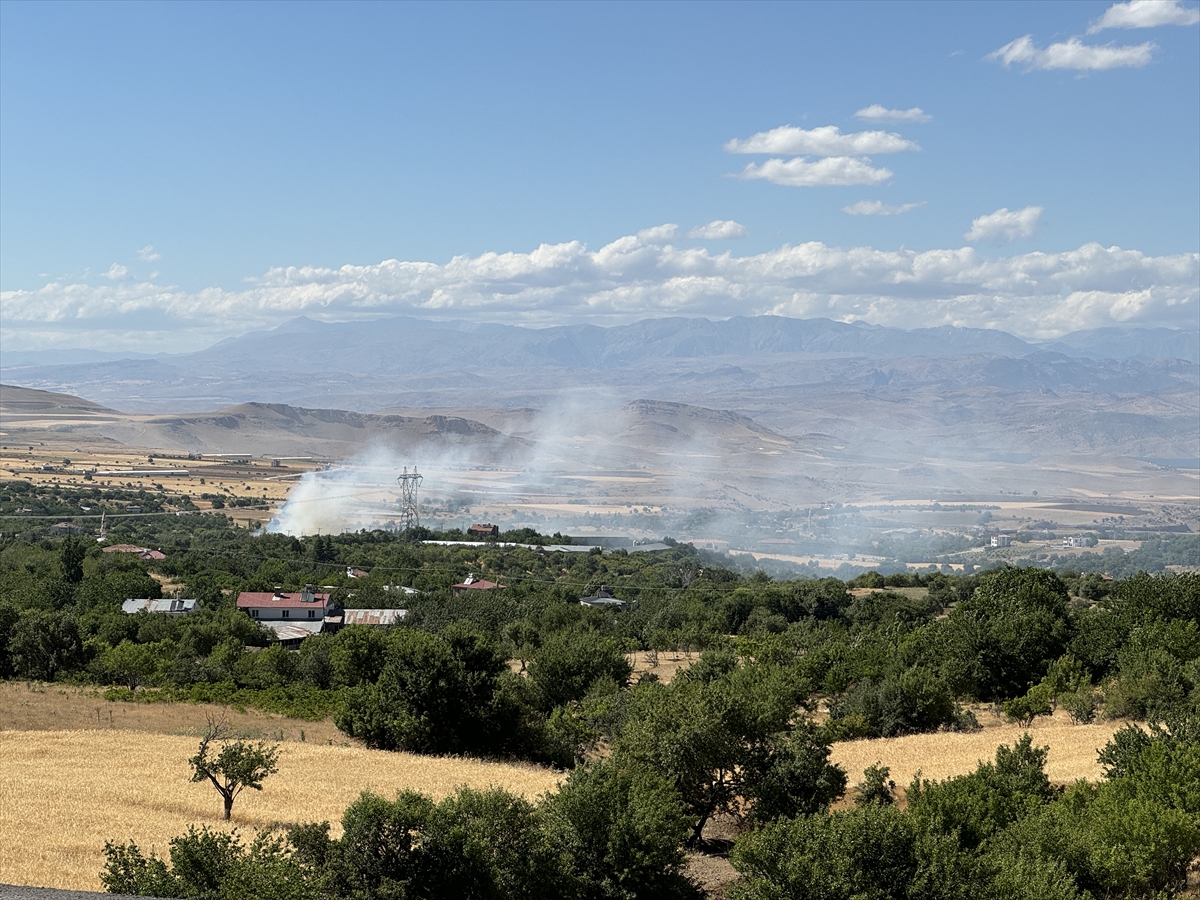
<point>409,482</point>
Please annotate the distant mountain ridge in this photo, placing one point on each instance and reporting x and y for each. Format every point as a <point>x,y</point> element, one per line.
<point>408,345</point>
<point>405,345</point>
<point>792,375</point>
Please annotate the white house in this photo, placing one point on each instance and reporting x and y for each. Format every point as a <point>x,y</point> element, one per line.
<point>287,613</point>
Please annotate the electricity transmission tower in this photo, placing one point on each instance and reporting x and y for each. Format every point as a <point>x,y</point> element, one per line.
<point>409,482</point>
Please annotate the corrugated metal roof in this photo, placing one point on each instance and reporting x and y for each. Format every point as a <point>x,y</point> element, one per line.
<point>168,606</point>
<point>373,616</point>
<point>294,631</point>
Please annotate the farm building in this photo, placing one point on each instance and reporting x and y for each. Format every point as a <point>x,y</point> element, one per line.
<point>292,616</point>
<point>475,584</point>
<point>602,599</point>
<point>171,606</point>
<point>485,530</point>
<point>1001,540</point>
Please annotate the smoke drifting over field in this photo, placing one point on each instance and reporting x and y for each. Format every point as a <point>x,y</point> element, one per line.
<point>569,467</point>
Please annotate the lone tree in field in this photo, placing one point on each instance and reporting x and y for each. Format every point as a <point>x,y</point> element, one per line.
<point>238,765</point>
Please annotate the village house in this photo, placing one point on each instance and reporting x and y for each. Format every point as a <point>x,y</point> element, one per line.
<point>1001,540</point>
<point>475,584</point>
<point>602,599</point>
<point>292,616</point>
<point>485,530</point>
<point>140,552</point>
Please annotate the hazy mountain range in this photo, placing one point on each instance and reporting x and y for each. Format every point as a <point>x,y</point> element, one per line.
<point>883,400</point>
<point>407,361</point>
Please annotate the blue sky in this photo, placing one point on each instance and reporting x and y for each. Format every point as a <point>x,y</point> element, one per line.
<point>180,172</point>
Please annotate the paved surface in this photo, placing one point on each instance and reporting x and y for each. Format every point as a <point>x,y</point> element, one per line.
<point>11,892</point>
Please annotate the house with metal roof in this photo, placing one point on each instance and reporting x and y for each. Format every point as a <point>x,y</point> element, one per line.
<point>380,618</point>
<point>602,599</point>
<point>170,606</point>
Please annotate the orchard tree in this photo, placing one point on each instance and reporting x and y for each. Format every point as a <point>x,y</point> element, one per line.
<point>71,558</point>
<point>237,766</point>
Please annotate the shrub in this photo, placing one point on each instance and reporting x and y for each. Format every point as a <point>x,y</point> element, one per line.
<point>876,787</point>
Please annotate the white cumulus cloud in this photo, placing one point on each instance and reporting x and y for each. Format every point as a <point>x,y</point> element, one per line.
<point>877,112</point>
<point>827,140</point>
<point>719,230</point>
<point>1146,14</point>
<point>1034,295</point>
<point>148,254</point>
<point>830,171</point>
<point>879,208</point>
<point>1004,225</point>
<point>1073,54</point>
<point>116,272</point>
<point>659,234</point>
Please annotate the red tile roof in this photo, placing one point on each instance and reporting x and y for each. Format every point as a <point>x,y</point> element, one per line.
<point>268,600</point>
<point>479,584</point>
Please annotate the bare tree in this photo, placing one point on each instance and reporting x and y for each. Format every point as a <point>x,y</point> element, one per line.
<point>237,765</point>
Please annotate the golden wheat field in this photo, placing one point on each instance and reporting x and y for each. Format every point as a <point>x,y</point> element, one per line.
<point>1072,755</point>
<point>64,793</point>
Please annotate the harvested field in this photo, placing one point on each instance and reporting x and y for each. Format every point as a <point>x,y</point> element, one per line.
<point>64,793</point>
<point>1072,756</point>
<point>665,664</point>
<point>35,706</point>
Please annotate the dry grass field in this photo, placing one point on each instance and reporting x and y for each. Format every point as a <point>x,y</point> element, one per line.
<point>64,793</point>
<point>1072,756</point>
<point>34,706</point>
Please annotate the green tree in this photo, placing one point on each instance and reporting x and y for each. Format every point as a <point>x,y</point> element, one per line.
<point>870,851</point>
<point>621,831</point>
<point>447,693</point>
<point>722,734</point>
<point>44,644</point>
<point>133,664</point>
<point>977,806</point>
<point>999,642</point>
<point>71,557</point>
<point>8,622</point>
<point>236,766</point>
<point>570,661</point>
<point>474,845</point>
